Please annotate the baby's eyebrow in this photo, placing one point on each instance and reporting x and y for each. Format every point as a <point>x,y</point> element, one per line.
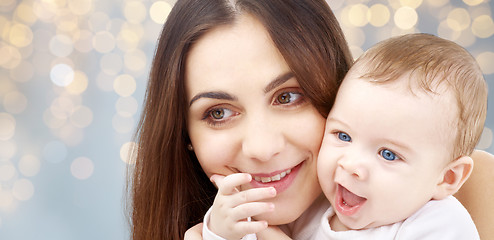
<point>213,95</point>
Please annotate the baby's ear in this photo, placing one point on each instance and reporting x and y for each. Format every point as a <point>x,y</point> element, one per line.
<point>453,177</point>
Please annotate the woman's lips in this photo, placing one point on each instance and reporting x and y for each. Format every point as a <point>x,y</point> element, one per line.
<point>280,180</point>
<point>348,203</point>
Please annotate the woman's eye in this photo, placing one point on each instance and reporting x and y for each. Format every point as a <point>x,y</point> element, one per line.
<point>284,98</point>
<point>388,155</point>
<point>288,98</point>
<point>344,137</point>
<point>218,115</point>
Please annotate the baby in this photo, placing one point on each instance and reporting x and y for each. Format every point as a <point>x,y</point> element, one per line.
<point>397,142</point>
<point>396,147</point>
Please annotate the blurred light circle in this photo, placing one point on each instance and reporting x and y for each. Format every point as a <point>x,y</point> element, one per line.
<point>111,63</point>
<point>83,41</point>
<point>104,81</point>
<point>71,135</point>
<point>466,38</point>
<point>122,124</point>
<point>23,189</point>
<point>7,126</point>
<point>10,57</point>
<point>61,45</point>
<point>134,12</point>
<point>444,31</point>
<point>62,107</point>
<point>62,74</point>
<point>5,52</point>
<point>20,35</point>
<point>81,117</point>
<point>43,11</point>
<point>357,15</point>
<point>405,18</point>
<point>6,85</point>
<point>437,3</point>
<point>82,168</point>
<point>80,7</point>
<point>378,15</point>
<point>486,62</point>
<point>67,22</point>
<point>103,42</point>
<point>15,102</point>
<point>135,60</point>
<point>411,3</point>
<point>79,85</point>
<point>126,106</point>
<point>485,141</point>
<point>458,19</point>
<point>159,11</point>
<point>124,85</point>
<point>6,199</point>
<point>23,72</point>
<point>127,40</point>
<point>53,121</point>
<point>7,149</point>
<point>483,26</point>
<point>7,172</point>
<point>128,152</point>
<point>473,2</point>
<point>354,36</point>
<point>25,13</point>
<point>98,21</point>
<point>29,165</point>
<point>54,152</point>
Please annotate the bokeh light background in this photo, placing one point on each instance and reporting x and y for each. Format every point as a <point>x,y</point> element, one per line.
<point>72,81</point>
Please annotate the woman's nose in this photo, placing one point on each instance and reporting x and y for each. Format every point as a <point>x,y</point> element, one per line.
<point>354,165</point>
<point>262,140</point>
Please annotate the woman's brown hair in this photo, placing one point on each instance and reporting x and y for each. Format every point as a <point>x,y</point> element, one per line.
<point>168,190</point>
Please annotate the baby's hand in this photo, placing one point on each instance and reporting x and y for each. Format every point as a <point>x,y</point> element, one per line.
<point>272,232</point>
<point>232,207</point>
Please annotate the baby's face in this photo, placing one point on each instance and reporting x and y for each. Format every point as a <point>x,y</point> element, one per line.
<point>384,151</point>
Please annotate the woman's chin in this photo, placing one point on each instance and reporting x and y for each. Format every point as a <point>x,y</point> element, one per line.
<point>279,217</point>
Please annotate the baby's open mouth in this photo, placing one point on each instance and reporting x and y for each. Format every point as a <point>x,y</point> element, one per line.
<point>276,177</point>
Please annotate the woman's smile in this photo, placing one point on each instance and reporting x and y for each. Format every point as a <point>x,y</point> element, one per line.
<point>280,180</point>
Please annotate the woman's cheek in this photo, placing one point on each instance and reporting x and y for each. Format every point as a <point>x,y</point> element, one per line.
<point>215,154</point>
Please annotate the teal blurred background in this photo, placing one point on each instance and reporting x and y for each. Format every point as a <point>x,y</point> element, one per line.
<point>72,80</point>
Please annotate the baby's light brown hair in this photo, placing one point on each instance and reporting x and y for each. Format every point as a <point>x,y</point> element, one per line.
<point>432,61</point>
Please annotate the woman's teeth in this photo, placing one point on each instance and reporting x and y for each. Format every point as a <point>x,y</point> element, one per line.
<point>276,177</point>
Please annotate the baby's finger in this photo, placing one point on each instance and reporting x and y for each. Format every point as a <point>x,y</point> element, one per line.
<point>253,195</point>
<point>251,209</point>
<point>228,185</point>
<point>245,227</point>
<point>215,178</point>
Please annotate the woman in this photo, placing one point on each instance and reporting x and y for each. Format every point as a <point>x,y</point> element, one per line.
<point>170,191</point>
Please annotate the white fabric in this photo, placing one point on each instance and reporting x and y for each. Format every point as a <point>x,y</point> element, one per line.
<point>301,229</point>
<point>441,219</point>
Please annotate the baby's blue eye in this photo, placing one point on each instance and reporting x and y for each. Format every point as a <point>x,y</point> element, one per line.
<point>388,155</point>
<point>344,137</point>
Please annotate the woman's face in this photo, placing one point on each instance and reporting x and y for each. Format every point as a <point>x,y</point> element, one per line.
<point>248,114</point>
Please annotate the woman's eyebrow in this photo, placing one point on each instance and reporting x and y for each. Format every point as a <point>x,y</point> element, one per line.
<point>213,95</point>
<point>278,81</point>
